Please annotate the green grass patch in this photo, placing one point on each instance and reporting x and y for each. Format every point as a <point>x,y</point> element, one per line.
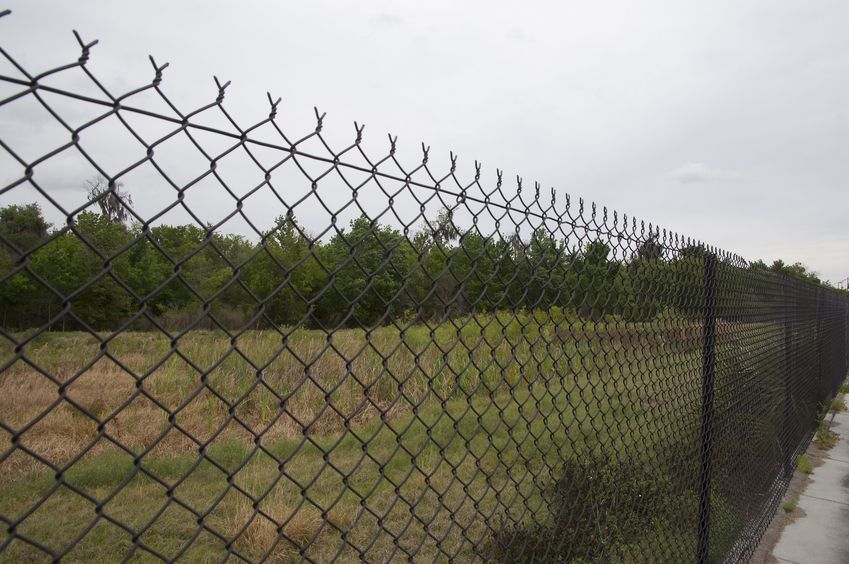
<point>825,437</point>
<point>803,464</point>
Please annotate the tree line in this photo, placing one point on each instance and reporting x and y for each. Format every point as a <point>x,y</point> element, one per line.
<point>104,271</point>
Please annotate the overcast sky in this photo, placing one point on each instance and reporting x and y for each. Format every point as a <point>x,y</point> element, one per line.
<point>724,121</point>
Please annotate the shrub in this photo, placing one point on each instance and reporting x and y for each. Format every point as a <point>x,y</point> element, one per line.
<point>803,463</point>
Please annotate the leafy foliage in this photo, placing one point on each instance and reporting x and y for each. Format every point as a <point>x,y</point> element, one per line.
<point>107,273</point>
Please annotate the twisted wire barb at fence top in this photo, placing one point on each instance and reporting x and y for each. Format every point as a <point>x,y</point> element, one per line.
<point>425,368</point>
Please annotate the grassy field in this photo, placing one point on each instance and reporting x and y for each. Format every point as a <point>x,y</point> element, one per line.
<point>485,435</point>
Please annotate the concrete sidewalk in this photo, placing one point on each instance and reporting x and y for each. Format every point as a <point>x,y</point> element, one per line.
<point>820,534</point>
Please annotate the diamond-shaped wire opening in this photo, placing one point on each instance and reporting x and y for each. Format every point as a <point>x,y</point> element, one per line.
<point>172,531</point>
<point>58,521</point>
<point>26,110</point>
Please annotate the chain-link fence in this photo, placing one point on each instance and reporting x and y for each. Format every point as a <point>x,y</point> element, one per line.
<point>233,343</point>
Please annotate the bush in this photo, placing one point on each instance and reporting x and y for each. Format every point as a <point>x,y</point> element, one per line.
<point>596,505</point>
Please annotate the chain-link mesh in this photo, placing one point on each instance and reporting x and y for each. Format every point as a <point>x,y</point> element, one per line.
<point>407,363</point>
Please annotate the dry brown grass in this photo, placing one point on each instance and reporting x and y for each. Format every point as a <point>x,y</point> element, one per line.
<point>133,389</point>
<point>479,391</point>
<point>276,535</point>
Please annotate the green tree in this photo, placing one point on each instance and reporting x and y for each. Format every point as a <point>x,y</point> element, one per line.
<point>22,298</point>
<point>85,265</point>
<point>597,292</point>
<point>22,226</point>
<point>432,285</point>
<point>195,266</point>
<point>796,270</point>
<point>371,264</point>
<point>479,267</point>
<point>544,271</point>
<point>644,284</point>
<point>286,275</point>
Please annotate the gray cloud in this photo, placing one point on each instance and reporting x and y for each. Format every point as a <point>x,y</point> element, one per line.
<point>691,173</point>
<point>386,19</point>
<point>516,34</point>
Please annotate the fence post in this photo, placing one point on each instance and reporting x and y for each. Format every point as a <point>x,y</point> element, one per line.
<point>788,363</point>
<point>844,349</point>
<point>708,373</point>
<point>819,401</point>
